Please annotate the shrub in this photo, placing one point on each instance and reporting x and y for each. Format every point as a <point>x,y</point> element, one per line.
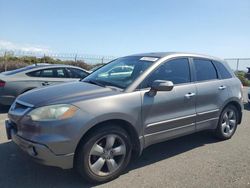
<point>11,62</point>
<point>243,79</point>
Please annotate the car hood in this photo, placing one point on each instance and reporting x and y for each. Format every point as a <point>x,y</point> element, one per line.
<point>65,93</point>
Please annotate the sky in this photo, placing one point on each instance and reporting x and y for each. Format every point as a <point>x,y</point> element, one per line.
<point>122,27</point>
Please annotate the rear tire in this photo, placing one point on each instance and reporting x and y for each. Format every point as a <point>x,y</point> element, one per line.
<point>104,154</point>
<point>228,122</point>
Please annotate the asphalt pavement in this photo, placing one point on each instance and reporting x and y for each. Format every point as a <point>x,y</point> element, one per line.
<point>197,160</point>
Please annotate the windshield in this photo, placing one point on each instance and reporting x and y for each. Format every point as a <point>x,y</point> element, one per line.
<point>120,72</point>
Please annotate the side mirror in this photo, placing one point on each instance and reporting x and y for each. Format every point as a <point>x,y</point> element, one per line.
<point>161,85</point>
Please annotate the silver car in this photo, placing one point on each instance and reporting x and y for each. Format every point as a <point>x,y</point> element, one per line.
<point>97,124</point>
<point>16,82</point>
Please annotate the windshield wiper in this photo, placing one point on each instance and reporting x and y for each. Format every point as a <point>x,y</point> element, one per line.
<point>110,84</point>
<point>104,84</point>
<point>94,82</point>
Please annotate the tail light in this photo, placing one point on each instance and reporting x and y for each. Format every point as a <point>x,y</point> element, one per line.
<point>2,83</point>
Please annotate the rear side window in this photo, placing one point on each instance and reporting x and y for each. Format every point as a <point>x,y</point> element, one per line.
<point>176,70</point>
<point>204,70</point>
<point>61,73</point>
<point>76,73</point>
<point>49,73</point>
<point>222,70</point>
<point>34,74</point>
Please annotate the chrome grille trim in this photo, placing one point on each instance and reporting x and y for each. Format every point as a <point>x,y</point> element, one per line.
<point>25,103</point>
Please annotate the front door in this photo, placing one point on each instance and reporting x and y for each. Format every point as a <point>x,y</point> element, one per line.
<point>169,113</point>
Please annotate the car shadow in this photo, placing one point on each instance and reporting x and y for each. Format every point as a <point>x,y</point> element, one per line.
<point>16,168</point>
<point>4,109</point>
<point>171,148</point>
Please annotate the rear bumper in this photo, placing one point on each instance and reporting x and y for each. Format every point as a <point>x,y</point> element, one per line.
<point>39,152</point>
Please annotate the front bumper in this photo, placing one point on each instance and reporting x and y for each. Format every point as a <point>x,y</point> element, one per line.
<point>39,152</point>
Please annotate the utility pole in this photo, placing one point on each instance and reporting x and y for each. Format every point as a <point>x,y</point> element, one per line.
<point>237,68</point>
<point>75,57</point>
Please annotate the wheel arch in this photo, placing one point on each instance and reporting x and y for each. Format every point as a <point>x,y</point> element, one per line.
<point>26,89</point>
<point>238,107</point>
<point>128,127</point>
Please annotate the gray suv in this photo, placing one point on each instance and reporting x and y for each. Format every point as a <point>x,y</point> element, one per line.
<point>98,123</point>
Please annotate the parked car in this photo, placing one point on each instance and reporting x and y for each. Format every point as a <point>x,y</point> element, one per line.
<point>248,73</point>
<point>96,125</point>
<point>19,81</point>
<point>95,68</point>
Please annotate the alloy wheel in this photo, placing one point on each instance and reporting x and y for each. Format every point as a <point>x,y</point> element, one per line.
<point>107,155</point>
<point>228,122</point>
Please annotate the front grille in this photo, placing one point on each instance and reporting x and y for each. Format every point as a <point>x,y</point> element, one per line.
<point>19,108</point>
<point>20,105</point>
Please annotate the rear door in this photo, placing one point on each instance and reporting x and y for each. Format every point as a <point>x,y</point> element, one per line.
<point>211,93</point>
<point>50,76</point>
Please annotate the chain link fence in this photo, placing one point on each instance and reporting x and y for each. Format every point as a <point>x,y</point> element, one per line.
<point>89,59</point>
<point>237,64</point>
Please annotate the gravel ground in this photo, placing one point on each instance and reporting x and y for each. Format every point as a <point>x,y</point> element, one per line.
<point>197,160</point>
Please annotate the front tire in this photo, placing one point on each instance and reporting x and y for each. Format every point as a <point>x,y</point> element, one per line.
<point>104,154</point>
<point>228,122</point>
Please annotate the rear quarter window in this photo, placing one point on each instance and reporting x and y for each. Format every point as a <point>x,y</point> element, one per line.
<point>76,73</point>
<point>222,70</point>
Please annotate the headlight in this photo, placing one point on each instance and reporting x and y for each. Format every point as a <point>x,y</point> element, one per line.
<point>53,112</point>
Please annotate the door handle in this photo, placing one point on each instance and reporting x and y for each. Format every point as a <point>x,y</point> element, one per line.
<point>189,95</point>
<point>222,87</point>
<point>45,83</point>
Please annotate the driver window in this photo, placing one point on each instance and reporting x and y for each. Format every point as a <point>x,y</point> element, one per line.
<point>176,70</point>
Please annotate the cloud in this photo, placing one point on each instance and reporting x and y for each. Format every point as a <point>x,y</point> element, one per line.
<point>7,45</point>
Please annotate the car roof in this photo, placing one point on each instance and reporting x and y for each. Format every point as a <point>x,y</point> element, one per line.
<point>44,65</point>
<point>165,54</point>
<point>38,66</point>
